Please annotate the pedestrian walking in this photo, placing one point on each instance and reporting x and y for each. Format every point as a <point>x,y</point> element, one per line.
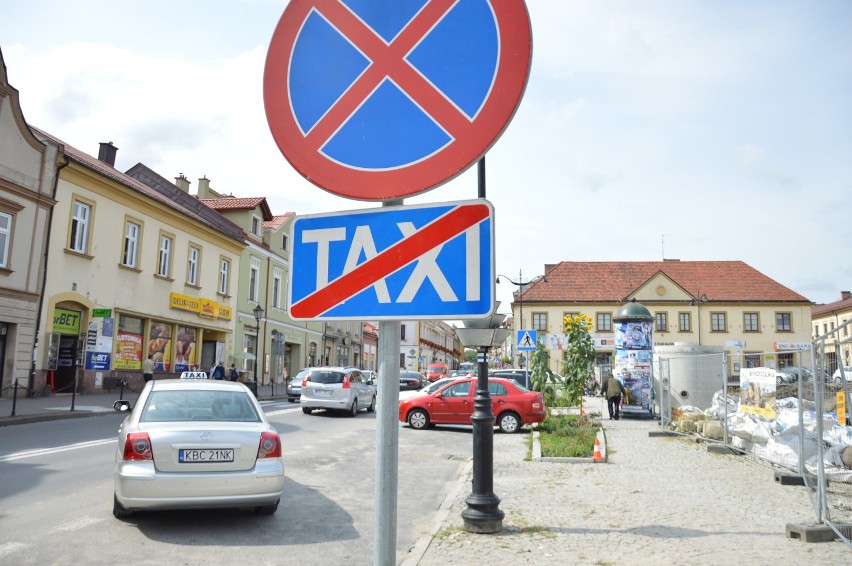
<point>233,374</point>
<point>219,371</point>
<point>148,369</point>
<point>613,389</point>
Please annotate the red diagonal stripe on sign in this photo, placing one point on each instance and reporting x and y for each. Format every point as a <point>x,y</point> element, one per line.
<point>441,230</point>
<point>387,61</point>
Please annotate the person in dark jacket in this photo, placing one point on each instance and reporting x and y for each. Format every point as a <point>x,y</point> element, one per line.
<point>612,389</point>
<point>219,371</point>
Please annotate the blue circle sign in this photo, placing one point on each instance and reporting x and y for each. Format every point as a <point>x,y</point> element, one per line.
<point>383,99</point>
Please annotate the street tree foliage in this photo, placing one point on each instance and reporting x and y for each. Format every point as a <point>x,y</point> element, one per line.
<point>541,376</point>
<point>578,364</point>
<point>469,355</point>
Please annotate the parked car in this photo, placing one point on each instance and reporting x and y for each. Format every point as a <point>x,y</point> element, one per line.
<point>294,387</point>
<point>434,372</point>
<point>409,380</point>
<point>435,385</point>
<point>847,373</point>
<point>196,443</point>
<point>337,388</point>
<point>513,405</point>
<point>522,376</point>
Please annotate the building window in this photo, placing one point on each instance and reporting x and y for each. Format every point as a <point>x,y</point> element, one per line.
<point>255,225</point>
<point>224,276</point>
<point>254,280</point>
<point>284,242</point>
<point>782,322</point>
<point>164,259</point>
<point>718,322</point>
<point>80,224</point>
<point>662,320</point>
<point>539,320</point>
<point>684,320</point>
<point>785,359</point>
<point>752,360</point>
<point>5,238</point>
<point>277,287</point>
<point>130,254</point>
<point>751,322</point>
<point>604,322</point>
<point>402,332</point>
<point>192,262</point>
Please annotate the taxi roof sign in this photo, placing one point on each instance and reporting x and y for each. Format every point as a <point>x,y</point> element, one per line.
<point>193,375</point>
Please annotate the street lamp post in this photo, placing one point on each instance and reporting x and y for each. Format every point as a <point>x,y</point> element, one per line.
<point>258,314</point>
<point>520,283</point>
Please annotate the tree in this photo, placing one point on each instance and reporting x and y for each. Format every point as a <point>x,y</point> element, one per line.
<point>578,366</point>
<point>469,355</point>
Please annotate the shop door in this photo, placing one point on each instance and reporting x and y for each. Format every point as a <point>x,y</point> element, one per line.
<point>63,379</point>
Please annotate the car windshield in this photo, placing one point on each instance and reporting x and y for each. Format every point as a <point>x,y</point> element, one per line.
<point>326,377</point>
<point>198,405</point>
<point>437,385</point>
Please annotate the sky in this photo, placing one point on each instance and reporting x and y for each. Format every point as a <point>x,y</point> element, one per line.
<point>691,130</point>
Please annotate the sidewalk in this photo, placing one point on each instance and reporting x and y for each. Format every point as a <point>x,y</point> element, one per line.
<point>58,405</point>
<point>657,500</point>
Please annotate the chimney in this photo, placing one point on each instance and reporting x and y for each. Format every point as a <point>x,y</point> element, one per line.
<point>845,295</point>
<point>203,187</point>
<point>107,153</point>
<point>182,183</point>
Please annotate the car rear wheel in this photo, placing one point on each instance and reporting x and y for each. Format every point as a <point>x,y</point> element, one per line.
<point>372,407</point>
<point>353,410</point>
<point>307,410</point>
<point>266,509</point>
<point>291,399</point>
<point>509,423</point>
<point>418,419</point>
<point>119,511</point>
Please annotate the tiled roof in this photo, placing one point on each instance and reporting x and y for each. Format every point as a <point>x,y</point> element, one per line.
<point>240,203</point>
<point>278,221</point>
<point>106,170</point>
<point>837,306</point>
<point>615,281</point>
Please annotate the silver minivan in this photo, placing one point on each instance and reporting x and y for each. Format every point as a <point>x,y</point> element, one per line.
<point>337,388</point>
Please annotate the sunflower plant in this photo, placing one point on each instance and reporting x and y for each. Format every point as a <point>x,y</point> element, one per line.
<point>578,364</point>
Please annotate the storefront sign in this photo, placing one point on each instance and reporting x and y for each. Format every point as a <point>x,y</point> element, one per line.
<point>66,322</point>
<point>101,313</point>
<point>204,308</point>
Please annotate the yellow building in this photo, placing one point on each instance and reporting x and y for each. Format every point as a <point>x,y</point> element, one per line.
<point>832,325</point>
<point>727,304</point>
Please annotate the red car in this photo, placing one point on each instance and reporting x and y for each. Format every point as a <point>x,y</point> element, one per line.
<point>512,404</point>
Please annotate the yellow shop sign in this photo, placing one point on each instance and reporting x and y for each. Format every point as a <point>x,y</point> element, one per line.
<point>204,308</point>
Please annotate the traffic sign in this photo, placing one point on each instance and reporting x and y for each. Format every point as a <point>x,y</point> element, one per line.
<point>383,99</point>
<point>396,262</point>
<point>526,340</point>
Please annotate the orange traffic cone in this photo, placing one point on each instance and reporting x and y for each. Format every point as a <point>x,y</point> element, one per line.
<point>597,456</point>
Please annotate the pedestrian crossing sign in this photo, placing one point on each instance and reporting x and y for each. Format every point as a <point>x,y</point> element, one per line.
<point>526,340</point>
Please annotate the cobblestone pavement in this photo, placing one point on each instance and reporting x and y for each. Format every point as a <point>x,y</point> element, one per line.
<point>658,500</point>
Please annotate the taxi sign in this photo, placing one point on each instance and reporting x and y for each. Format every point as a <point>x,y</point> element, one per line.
<point>193,375</point>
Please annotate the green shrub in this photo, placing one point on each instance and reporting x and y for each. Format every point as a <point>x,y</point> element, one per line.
<point>568,436</point>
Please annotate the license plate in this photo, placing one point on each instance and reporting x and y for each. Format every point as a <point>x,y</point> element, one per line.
<point>202,455</point>
<point>323,393</point>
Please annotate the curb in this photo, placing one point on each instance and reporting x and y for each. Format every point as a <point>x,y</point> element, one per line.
<point>27,419</point>
<point>536,452</point>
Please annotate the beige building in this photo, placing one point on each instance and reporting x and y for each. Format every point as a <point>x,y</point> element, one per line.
<point>423,342</point>
<point>133,271</point>
<point>832,326</point>
<point>727,304</point>
<point>27,179</point>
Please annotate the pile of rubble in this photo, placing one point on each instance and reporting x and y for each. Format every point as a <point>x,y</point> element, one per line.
<point>777,440</point>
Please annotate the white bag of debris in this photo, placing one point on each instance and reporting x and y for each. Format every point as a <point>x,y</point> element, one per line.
<point>749,428</point>
<point>717,409</point>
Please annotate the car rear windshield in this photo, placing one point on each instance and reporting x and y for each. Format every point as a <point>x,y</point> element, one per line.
<point>326,377</point>
<point>198,405</point>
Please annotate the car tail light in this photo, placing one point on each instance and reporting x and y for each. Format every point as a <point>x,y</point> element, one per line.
<point>538,403</point>
<point>137,446</point>
<point>346,382</point>
<point>305,381</point>
<point>270,446</point>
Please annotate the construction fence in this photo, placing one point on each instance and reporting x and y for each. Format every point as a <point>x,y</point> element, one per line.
<point>791,419</point>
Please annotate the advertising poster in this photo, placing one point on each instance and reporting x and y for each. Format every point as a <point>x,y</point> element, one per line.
<point>160,345</point>
<point>757,392</point>
<point>99,344</point>
<point>632,365</point>
<point>556,341</point>
<point>184,348</point>
<point>128,351</point>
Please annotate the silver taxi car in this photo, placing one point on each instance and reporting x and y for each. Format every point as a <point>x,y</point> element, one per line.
<point>196,443</point>
<point>337,388</point>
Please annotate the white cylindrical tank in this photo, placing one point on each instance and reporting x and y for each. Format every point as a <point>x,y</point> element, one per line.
<point>690,373</point>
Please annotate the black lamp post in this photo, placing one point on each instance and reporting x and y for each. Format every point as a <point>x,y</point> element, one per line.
<point>483,514</point>
<point>520,283</point>
<point>258,314</point>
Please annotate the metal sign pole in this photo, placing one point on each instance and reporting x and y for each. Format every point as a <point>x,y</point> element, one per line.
<point>387,443</point>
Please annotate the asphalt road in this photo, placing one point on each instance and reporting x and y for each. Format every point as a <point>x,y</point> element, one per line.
<point>56,497</point>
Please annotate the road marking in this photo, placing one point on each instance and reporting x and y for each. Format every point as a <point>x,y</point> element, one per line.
<point>43,451</point>
<point>76,524</point>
